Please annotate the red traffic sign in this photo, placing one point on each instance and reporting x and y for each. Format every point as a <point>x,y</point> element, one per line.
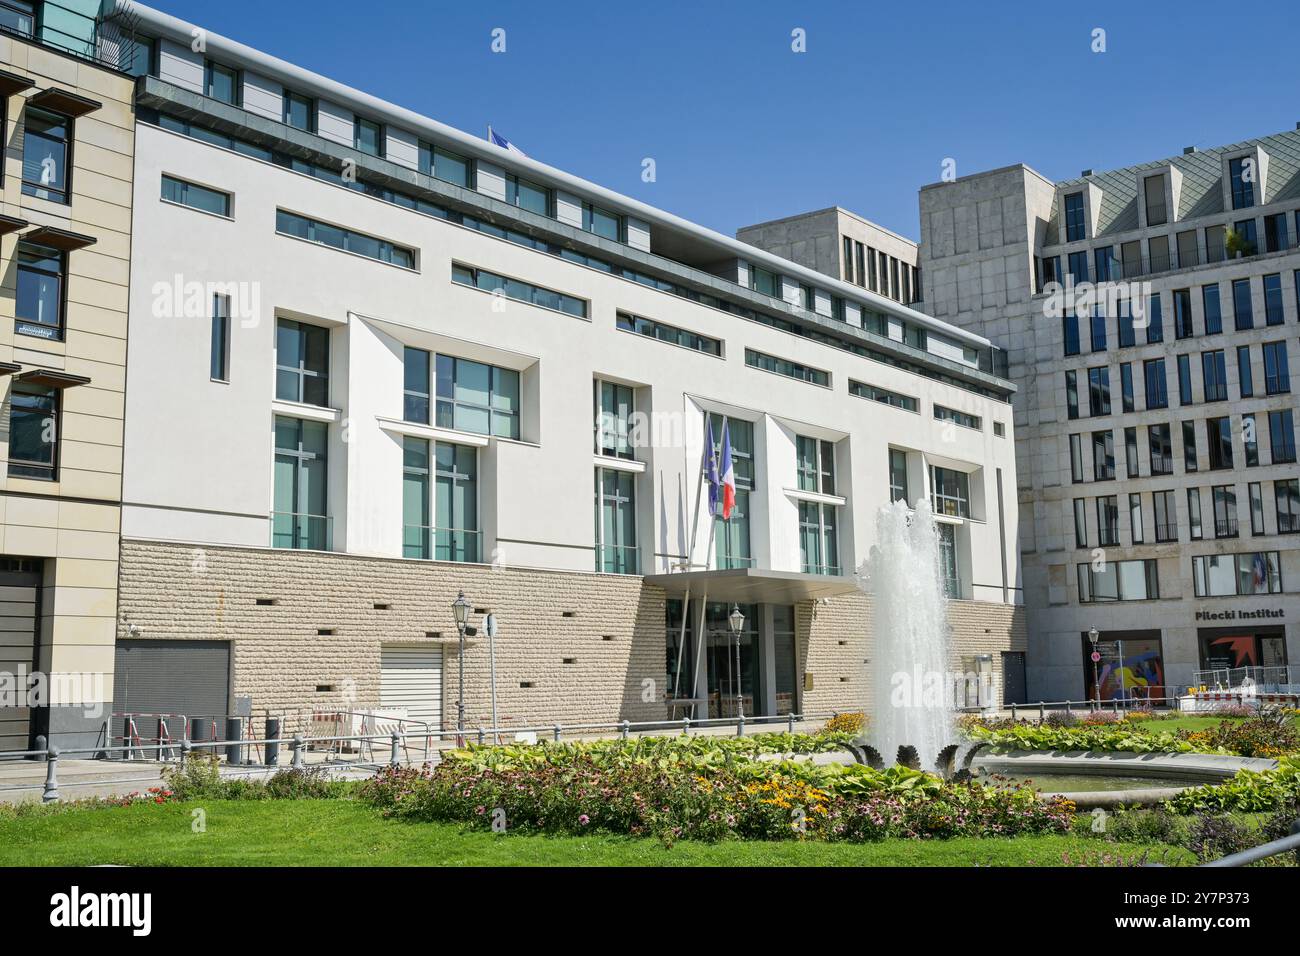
<point>1095,657</point>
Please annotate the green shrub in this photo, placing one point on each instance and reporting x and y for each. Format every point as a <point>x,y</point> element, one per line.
<point>1248,791</point>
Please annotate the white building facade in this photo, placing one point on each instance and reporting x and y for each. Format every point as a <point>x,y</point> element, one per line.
<point>374,362</point>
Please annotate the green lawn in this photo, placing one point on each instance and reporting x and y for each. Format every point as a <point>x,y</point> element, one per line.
<point>347,833</point>
<point>1190,722</point>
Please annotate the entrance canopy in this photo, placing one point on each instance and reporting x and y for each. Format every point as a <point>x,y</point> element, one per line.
<point>753,585</point>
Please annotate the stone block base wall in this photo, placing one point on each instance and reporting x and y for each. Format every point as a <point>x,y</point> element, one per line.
<point>835,646</point>
<point>591,666</point>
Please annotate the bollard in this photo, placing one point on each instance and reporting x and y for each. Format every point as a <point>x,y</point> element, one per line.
<point>235,732</point>
<point>740,726</point>
<point>296,745</point>
<point>272,757</point>
<point>626,727</point>
<point>51,794</point>
<point>686,725</point>
<point>1013,712</point>
<point>557,733</point>
<point>481,737</point>
<point>42,743</point>
<point>1042,711</point>
<point>790,723</point>
<point>396,741</point>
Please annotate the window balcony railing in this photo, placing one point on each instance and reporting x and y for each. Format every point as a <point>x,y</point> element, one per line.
<point>110,40</point>
<point>1226,528</point>
<point>302,532</point>
<point>833,570</point>
<point>428,543</point>
<point>618,558</point>
<point>732,562</point>
<point>1166,533</point>
<point>1108,537</point>
<point>1288,524</point>
<point>1162,464</point>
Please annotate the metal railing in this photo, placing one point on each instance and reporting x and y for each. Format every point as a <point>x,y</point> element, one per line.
<point>425,542</point>
<point>299,744</point>
<point>296,531</point>
<point>1263,851</point>
<point>109,39</point>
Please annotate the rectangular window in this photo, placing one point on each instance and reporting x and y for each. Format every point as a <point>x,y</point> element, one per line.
<point>1161,449</point>
<point>615,405</point>
<point>948,565</point>
<point>1118,581</point>
<point>1183,313</point>
<point>18,16</point>
<point>1286,499</point>
<point>1213,311</point>
<point>1098,328</point>
<point>964,419</point>
<point>1099,391</point>
<point>1245,235</point>
<point>1230,575</point>
<point>1189,447</point>
<point>519,291</point>
<point>1241,172</point>
<point>1131,453</point>
<point>1076,266</point>
<point>819,551</point>
<point>1080,523</point>
<point>1157,389</point>
<point>1153,188</point>
<point>302,363</point>
<point>606,224</point>
<point>1281,436</point>
<point>475,397</point>
<point>1225,511</point>
<point>299,112</point>
<point>734,545</point>
<point>668,333</point>
<point>1184,380</point>
<point>415,385</point>
<point>763,281</point>
<point>1155,319</point>
<point>440,503</point>
<point>1277,370</point>
<point>815,464</point>
<point>38,302</point>
<point>1166,516</point>
<point>847,259</point>
<point>1101,259</point>
<point>1108,521</point>
<point>526,195</point>
<point>33,432</point>
<point>1275,237</point>
<point>898,476</point>
<point>1245,381</point>
<point>1256,492</point>
<point>1250,439</point>
<point>47,149</point>
<point>1072,395</point>
<point>1070,331</point>
<point>1194,513</point>
<point>770,363</point>
<point>1127,333</point>
<point>368,137</point>
<point>1214,368</point>
<point>1135,518</point>
<point>291,224</point>
<point>1103,456</point>
<point>1218,431</point>
<point>221,83</point>
<point>1076,458</point>
<point>196,197</point>
<point>1242,314</point>
<point>883,396</point>
<point>219,362</point>
<point>1075,228</point>
<point>1158,253</point>
<point>950,492</point>
<point>449,167</point>
<point>1273,299</point>
<point>300,515</point>
<point>616,542</point>
<point>1188,254</point>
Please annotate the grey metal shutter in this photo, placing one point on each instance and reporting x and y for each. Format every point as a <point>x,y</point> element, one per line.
<point>17,642</point>
<point>170,677</point>
<point>410,678</point>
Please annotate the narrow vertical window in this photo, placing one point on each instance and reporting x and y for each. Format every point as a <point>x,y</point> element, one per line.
<point>220,359</point>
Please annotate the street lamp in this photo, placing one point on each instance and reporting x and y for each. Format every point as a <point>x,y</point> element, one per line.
<point>736,621</point>
<point>1093,635</point>
<point>461,608</point>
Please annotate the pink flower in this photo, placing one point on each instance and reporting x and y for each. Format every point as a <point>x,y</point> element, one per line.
<point>584,819</point>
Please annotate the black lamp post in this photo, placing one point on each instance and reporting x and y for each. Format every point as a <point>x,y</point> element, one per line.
<point>736,621</point>
<point>1093,635</point>
<point>461,608</point>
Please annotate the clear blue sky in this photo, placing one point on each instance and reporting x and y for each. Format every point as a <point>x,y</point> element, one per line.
<point>742,129</point>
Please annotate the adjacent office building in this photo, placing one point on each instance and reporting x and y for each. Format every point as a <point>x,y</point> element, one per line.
<point>375,361</point>
<point>66,109</point>
<point>1159,498</point>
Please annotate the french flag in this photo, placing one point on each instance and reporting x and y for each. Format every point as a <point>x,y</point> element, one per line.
<point>496,139</point>
<point>728,478</point>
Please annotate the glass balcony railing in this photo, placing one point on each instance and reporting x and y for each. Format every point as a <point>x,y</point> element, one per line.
<point>618,559</point>
<point>442,544</point>
<point>833,570</point>
<point>302,532</point>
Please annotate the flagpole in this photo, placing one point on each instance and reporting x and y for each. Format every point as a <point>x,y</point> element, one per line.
<point>690,559</point>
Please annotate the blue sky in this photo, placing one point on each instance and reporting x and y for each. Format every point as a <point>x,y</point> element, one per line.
<point>742,129</point>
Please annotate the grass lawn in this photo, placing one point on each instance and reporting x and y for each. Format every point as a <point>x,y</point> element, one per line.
<point>346,833</point>
<point>1191,722</point>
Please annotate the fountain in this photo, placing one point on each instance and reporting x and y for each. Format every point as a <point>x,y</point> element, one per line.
<point>910,665</point>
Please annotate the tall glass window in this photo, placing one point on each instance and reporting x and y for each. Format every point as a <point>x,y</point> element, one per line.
<point>1183,327</point>
<point>1241,172</point>
<point>1213,310</point>
<point>1215,371</point>
<point>1277,371</point>
<point>818,538</point>
<point>614,407</point>
<point>950,492</point>
<point>1250,439</point>
<point>1166,516</point>
<point>301,514</point>
<point>415,386</point>
<point>299,112</point>
<point>47,139</point>
<point>1072,394</point>
<point>1099,391</point>
<point>1189,447</point>
<point>948,560</point>
<point>38,304</point>
<point>1194,513</point>
<point>1242,313</point>
<point>478,398</point>
<point>734,547</point>
<point>1225,511</point>
<point>33,432</point>
<point>221,83</point>
<point>1281,436</point>
<point>815,461</point>
<point>1245,381</point>
<point>1155,319</point>
<point>1273,299</point>
<point>219,360</point>
<point>1219,434</point>
<point>616,545</point>
<point>1074,218</point>
<point>302,361</point>
<point>1126,387</point>
<point>368,137</point>
<point>1157,389</point>
<point>1108,521</point>
<point>898,476</point>
<point>445,489</point>
<point>1185,380</point>
<point>1161,448</point>
<point>1286,498</point>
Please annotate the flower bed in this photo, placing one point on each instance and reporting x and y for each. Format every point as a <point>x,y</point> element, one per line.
<point>676,789</point>
<point>1256,736</point>
<point>1248,791</point>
